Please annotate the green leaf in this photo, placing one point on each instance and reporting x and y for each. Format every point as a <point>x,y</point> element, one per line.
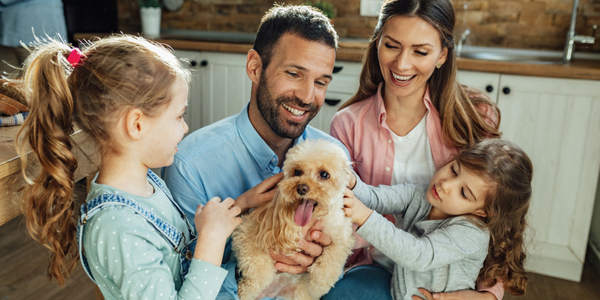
<point>150,3</point>
<point>327,8</point>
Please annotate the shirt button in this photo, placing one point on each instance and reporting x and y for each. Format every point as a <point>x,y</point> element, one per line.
<point>387,169</point>
<point>389,141</point>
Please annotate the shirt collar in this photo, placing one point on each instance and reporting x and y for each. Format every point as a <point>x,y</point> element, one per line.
<point>260,151</point>
<point>380,106</point>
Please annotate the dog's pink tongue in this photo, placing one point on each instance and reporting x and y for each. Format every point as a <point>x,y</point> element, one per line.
<point>304,212</point>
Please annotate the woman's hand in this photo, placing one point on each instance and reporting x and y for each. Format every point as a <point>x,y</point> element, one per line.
<point>262,192</point>
<point>458,295</point>
<point>311,246</point>
<point>354,209</point>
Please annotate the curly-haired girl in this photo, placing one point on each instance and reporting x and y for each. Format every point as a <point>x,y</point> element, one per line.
<point>466,226</point>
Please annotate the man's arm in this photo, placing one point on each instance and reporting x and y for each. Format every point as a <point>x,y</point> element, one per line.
<point>259,194</point>
<point>185,186</point>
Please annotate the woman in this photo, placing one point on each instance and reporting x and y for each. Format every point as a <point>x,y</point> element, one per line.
<point>409,116</point>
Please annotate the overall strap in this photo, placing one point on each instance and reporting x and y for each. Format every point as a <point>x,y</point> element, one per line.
<point>90,208</point>
<point>158,183</point>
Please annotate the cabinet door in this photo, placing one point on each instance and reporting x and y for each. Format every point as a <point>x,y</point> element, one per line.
<point>333,101</point>
<point>343,86</point>
<point>486,82</point>
<point>191,60</point>
<point>556,121</point>
<point>225,86</point>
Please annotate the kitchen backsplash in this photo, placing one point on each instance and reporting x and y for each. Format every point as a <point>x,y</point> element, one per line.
<point>526,24</point>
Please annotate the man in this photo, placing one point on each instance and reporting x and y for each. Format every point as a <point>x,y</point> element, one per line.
<point>290,67</point>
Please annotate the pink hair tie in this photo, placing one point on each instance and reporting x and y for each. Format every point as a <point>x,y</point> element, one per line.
<point>75,57</point>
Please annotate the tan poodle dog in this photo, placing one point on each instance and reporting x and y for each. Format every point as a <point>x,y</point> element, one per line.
<point>316,173</point>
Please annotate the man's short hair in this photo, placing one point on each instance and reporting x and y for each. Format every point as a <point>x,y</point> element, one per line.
<point>301,20</point>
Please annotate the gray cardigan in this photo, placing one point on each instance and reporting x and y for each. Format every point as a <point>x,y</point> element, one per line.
<point>438,255</point>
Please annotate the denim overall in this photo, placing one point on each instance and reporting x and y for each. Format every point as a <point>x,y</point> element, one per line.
<point>176,238</point>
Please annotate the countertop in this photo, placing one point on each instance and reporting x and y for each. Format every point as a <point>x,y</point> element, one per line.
<point>10,168</point>
<point>352,50</point>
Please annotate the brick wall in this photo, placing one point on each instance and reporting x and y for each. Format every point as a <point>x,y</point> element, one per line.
<point>527,24</point>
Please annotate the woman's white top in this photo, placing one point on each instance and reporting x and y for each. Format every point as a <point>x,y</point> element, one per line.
<point>413,161</point>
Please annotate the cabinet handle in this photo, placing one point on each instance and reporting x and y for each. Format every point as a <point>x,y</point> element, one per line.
<point>506,90</point>
<point>204,63</point>
<point>332,102</point>
<point>337,69</point>
<point>489,88</point>
<point>193,63</point>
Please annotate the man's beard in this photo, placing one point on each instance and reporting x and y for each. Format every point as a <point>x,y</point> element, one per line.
<point>269,109</point>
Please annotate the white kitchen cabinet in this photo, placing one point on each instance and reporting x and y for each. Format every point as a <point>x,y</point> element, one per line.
<point>343,86</point>
<point>557,123</point>
<point>225,86</point>
<point>486,82</point>
<point>191,60</point>
<point>219,88</point>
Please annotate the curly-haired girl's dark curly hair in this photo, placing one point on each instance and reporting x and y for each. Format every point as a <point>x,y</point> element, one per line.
<point>510,171</point>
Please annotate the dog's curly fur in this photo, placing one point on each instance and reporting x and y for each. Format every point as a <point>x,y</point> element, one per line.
<point>324,168</point>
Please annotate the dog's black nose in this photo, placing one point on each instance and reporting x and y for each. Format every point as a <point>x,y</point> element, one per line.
<point>302,189</point>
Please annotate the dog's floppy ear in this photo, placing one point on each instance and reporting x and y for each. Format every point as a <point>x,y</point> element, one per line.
<point>276,195</point>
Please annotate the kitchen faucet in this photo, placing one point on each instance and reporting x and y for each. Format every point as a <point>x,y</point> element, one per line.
<point>466,32</point>
<point>463,38</point>
<point>572,38</point>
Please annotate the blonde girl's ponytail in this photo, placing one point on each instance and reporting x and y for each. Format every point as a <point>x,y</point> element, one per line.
<point>47,199</point>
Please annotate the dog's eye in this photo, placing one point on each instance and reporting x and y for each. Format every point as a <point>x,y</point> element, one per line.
<point>324,175</point>
<point>297,172</point>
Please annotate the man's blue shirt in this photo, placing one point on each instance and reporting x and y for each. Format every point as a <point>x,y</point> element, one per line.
<point>224,159</point>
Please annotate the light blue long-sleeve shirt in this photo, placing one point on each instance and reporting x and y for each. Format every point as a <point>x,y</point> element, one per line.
<point>438,255</point>
<point>19,19</point>
<point>225,159</point>
<point>130,259</point>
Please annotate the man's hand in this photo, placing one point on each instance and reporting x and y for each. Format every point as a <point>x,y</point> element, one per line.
<point>311,247</point>
<point>262,192</point>
<point>459,295</point>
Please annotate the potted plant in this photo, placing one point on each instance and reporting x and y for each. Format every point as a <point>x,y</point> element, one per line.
<point>150,11</point>
<point>327,8</point>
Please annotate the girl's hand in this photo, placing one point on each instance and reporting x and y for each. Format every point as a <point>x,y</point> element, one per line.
<point>351,179</point>
<point>458,295</point>
<point>354,209</point>
<point>262,192</point>
<point>215,222</point>
<point>218,219</point>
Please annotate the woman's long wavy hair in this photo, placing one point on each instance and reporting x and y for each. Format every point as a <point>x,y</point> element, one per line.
<point>510,171</point>
<point>462,124</point>
<point>115,74</point>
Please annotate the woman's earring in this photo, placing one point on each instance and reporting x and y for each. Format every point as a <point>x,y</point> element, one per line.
<point>438,65</point>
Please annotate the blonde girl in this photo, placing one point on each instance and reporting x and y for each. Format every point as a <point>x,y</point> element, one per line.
<point>467,226</point>
<point>129,95</point>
